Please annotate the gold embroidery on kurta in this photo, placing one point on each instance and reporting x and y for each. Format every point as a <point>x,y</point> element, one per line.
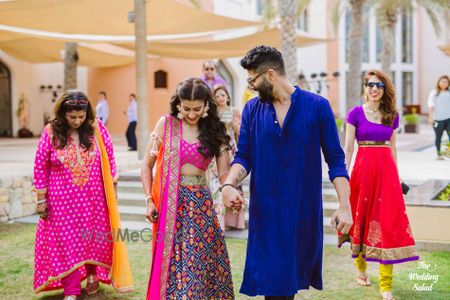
<point>374,233</point>
<point>78,163</point>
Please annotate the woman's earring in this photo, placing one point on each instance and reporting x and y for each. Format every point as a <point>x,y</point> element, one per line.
<point>205,113</point>
<point>180,114</point>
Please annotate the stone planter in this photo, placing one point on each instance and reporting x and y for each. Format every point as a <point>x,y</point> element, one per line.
<point>429,217</point>
<point>411,128</point>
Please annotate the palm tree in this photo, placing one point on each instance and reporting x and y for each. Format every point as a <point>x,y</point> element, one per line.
<point>288,18</point>
<point>355,47</point>
<point>141,73</point>
<point>70,66</point>
<point>287,11</point>
<point>387,12</point>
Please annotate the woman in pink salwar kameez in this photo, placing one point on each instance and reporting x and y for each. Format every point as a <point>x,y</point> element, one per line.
<point>73,177</point>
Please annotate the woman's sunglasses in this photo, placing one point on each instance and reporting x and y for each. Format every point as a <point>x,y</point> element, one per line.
<point>371,84</point>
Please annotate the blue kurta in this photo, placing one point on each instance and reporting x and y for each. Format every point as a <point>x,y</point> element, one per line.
<point>284,252</point>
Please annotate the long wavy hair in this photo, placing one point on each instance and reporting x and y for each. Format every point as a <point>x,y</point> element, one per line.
<point>59,125</point>
<point>387,108</point>
<point>212,134</point>
<point>438,88</point>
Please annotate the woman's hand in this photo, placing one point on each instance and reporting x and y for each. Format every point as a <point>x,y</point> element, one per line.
<point>232,198</point>
<point>151,213</point>
<point>42,210</point>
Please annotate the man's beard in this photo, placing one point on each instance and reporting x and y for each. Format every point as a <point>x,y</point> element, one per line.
<point>265,92</point>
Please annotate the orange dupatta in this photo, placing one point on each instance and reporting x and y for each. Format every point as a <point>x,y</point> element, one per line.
<point>120,272</point>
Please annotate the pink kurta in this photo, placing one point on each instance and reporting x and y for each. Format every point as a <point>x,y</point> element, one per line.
<point>77,229</point>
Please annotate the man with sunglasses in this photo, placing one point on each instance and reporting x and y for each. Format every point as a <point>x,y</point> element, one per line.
<point>283,131</point>
<point>209,75</point>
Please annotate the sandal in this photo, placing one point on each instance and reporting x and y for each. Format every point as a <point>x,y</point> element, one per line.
<point>92,285</point>
<point>363,280</point>
<point>387,297</point>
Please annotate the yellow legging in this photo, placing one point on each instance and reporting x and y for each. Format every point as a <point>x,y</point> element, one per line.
<point>385,279</point>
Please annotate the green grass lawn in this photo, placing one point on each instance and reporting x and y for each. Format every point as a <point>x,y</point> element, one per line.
<point>16,272</point>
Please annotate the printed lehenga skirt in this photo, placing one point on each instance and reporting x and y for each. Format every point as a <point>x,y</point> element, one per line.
<point>381,229</point>
<point>199,265</point>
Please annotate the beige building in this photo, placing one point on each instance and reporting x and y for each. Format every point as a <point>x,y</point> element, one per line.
<point>417,65</point>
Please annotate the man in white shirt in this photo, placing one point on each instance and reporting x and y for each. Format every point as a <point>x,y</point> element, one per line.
<point>102,108</point>
<point>132,123</point>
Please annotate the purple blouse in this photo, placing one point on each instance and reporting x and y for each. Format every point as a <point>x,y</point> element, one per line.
<point>369,131</point>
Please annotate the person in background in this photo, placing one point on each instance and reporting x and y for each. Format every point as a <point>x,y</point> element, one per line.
<point>247,95</point>
<point>102,108</point>
<point>439,111</point>
<point>209,75</point>
<point>132,115</point>
<point>231,117</point>
<point>381,231</point>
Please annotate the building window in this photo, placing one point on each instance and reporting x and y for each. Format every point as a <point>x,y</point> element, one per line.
<point>407,88</point>
<point>259,7</point>
<point>302,21</point>
<point>348,16</point>
<point>407,36</point>
<point>160,79</point>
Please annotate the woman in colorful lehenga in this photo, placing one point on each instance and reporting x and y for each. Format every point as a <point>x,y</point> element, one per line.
<point>381,230</point>
<point>189,257</point>
<point>73,177</point>
<point>231,117</point>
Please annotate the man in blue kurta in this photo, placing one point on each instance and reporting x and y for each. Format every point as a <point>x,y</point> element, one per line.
<point>282,133</point>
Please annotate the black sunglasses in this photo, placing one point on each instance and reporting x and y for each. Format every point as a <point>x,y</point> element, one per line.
<point>371,84</point>
<point>209,69</point>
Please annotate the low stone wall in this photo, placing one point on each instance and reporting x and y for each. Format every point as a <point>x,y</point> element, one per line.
<point>17,198</point>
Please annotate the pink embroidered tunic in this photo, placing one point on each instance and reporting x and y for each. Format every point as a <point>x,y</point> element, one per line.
<point>77,229</point>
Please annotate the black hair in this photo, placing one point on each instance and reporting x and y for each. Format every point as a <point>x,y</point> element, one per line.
<point>261,58</point>
<point>212,134</point>
<point>61,128</point>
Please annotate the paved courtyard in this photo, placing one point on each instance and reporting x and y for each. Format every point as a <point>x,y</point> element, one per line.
<point>416,157</point>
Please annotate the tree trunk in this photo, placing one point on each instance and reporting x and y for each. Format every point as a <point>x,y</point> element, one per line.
<point>387,38</point>
<point>355,54</point>
<point>141,74</point>
<point>70,66</point>
<point>288,18</point>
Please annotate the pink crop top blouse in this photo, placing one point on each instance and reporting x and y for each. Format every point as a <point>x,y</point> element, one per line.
<point>190,155</point>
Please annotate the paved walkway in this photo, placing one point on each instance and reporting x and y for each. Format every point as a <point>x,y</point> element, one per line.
<point>416,157</point>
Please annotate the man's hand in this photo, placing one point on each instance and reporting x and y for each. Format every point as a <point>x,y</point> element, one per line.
<point>342,219</point>
<point>430,121</point>
<point>231,198</point>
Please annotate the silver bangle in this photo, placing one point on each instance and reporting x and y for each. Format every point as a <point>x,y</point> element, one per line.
<point>147,198</point>
<point>41,201</point>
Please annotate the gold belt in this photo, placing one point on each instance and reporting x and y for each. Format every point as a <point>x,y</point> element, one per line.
<point>192,180</point>
<point>374,143</point>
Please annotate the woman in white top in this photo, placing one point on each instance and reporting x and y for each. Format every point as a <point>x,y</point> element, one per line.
<point>439,111</point>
